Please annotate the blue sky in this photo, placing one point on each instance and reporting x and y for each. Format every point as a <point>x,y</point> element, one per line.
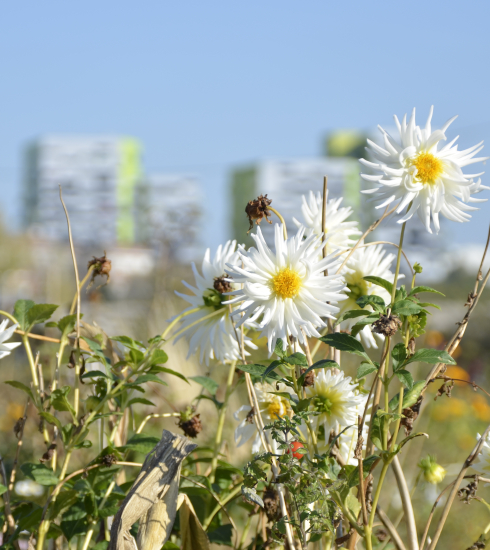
<point>206,85</point>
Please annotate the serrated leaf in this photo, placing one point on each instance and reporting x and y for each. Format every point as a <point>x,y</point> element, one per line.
<point>278,349</point>
<point>365,369</point>
<point>405,378</point>
<point>409,398</point>
<point>418,289</point>
<point>67,324</point>
<point>406,307</point>
<point>352,314</point>
<point>20,313</point>
<point>323,363</point>
<point>159,357</point>
<point>376,302</point>
<point>39,473</point>
<point>207,383</point>
<point>39,313</point>
<point>251,495</point>
<point>296,359</point>
<point>431,356</point>
<point>51,419</point>
<point>21,386</point>
<point>380,282</point>
<point>59,400</point>
<point>345,342</point>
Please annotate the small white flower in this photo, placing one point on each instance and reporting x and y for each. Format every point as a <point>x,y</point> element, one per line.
<point>272,407</point>
<point>412,168</point>
<point>28,488</point>
<point>483,464</point>
<point>6,334</point>
<point>214,337</point>
<point>336,398</point>
<point>286,288</point>
<point>338,232</point>
<point>367,261</point>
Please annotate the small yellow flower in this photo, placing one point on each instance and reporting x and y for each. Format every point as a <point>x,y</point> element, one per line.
<point>433,473</point>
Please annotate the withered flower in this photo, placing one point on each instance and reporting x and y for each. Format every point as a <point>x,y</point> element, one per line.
<point>309,379</point>
<point>189,422</point>
<point>387,325</point>
<point>101,266</point>
<point>257,210</point>
<point>271,503</point>
<point>48,454</point>
<point>221,284</point>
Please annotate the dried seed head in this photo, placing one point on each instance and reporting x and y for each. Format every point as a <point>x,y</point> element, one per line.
<point>109,459</point>
<point>48,454</point>
<point>191,427</point>
<point>410,415</point>
<point>257,210</point>
<point>250,416</point>
<point>101,266</point>
<point>387,325</point>
<point>19,427</point>
<point>411,346</point>
<point>381,535</point>
<point>221,284</point>
<point>309,378</point>
<point>271,503</point>
<point>469,492</point>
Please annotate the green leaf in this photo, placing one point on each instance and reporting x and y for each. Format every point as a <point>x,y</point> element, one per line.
<point>352,314</point>
<point>380,282</point>
<point>128,342</point>
<point>296,359</point>
<point>39,313</point>
<point>271,368</point>
<point>428,304</point>
<point>377,303</point>
<point>323,363</point>
<point>59,400</point>
<point>159,357</point>
<point>365,369</point>
<point>258,370</point>
<point>94,345</point>
<point>405,378</point>
<point>39,473</point>
<point>369,320</point>
<point>399,354</point>
<point>158,368</point>
<point>139,400</point>
<point>95,374</point>
<point>67,324</point>
<point>251,495</point>
<point>367,463</point>
<point>21,386</point>
<point>409,398</point>
<point>141,443</point>
<point>345,342</point>
<point>406,307</point>
<point>3,489</point>
<point>418,289</point>
<point>51,419</point>
<point>207,383</point>
<point>136,356</point>
<point>149,378</point>
<point>20,313</point>
<point>431,356</point>
<point>278,350</point>
<point>221,535</point>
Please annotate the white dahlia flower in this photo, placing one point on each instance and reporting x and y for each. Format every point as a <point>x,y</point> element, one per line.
<point>6,334</point>
<point>483,464</point>
<point>368,261</point>
<point>413,168</point>
<point>338,232</point>
<point>337,400</point>
<point>272,407</point>
<point>286,288</point>
<point>214,337</point>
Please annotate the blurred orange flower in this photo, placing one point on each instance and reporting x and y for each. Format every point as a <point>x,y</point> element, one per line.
<point>454,371</point>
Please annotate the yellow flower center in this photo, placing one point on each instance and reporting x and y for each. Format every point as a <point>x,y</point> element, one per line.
<point>429,167</point>
<point>286,283</point>
<point>274,410</point>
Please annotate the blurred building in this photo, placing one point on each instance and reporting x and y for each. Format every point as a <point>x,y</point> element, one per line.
<point>98,176</point>
<point>285,181</point>
<point>170,215</point>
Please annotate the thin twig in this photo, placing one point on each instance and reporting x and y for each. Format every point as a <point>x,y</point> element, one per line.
<point>385,520</point>
<point>20,435</point>
<point>467,463</point>
<point>407,504</point>
<point>6,496</point>
<point>38,337</point>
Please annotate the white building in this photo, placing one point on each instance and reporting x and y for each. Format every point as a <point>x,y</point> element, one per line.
<point>97,174</point>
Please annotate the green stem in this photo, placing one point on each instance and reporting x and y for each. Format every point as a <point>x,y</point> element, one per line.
<point>80,286</point>
<point>167,330</point>
<point>218,507</point>
<point>32,363</point>
<point>221,421</point>
<point>377,494</point>
<point>398,259</point>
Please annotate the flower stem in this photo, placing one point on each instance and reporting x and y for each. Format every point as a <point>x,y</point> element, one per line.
<point>398,259</point>
<point>285,231</point>
<point>221,421</point>
<point>213,314</point>
<point>176,320</point>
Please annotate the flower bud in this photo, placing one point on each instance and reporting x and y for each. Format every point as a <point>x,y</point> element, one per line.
<point>433,473</point>
<point>417,268</point>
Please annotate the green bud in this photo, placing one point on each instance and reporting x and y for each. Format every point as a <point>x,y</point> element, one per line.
<point>417,268</point>
<point>433,473</point>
